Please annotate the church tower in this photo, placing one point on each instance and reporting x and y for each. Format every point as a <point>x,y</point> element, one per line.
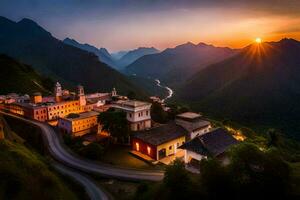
<point>114,92</point>
<point>81,95</point>
<point>58,92</point>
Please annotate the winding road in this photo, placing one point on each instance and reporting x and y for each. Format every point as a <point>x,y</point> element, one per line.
<point>94,192</point>
<point>60,153</point>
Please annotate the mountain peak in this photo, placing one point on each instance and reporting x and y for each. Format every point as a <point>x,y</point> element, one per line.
<point>27,21</point>
<point>35,28</point>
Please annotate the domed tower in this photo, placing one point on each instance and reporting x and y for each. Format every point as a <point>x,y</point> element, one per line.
<point>58,92</point>
<point>81,95</point>
<point>114,92</point>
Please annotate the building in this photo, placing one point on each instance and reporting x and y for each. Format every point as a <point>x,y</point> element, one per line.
<point>63,108</point>
<point>29,110</point>
<point>37,98</point>
<point>81,96</point>
<point>160,141</point>
<point>193,123</point>
<point>213,143</point>
<point>2,135</point>
<point>98,101</point>
<point>79,124</point>
<point>137,113</point>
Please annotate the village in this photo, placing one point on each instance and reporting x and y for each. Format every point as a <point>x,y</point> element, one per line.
<point>189,136</point>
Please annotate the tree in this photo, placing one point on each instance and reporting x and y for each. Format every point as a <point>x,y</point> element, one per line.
<point>258,174</point>
<point>214,180</point>
<point>131,95</point>
<point>274,138</point>
<point>92,151</point>
<point>115,123</point>
<point>158,114</point>
<point>177,180</point>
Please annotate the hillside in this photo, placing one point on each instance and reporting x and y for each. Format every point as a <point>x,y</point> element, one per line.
<point>20,78</point>
<point>135,54</point>
<point>102,53</point>
<point>23,175</point>
<point>259,87</point>
<point>175,65</point>
<point>33,45</point>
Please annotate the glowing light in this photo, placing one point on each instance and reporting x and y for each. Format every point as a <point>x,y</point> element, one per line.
<point>149,150</point>
<point>137,145</point>
<point>258,40</point>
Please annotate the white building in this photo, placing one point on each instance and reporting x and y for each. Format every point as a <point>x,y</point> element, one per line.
<point>193,123</point>
<point>137,113</point>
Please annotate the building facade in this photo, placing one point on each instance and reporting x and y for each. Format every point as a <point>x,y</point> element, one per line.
<point>159,142</point>
<point>193,123</point>
<point>2,136</point>
<point>137,113</point>
<point>64,108</point>
<point>79,124</point>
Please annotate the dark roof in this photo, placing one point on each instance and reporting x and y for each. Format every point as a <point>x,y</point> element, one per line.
<point>195,145</point>
<point>212,143</point>
<point>161,134</point>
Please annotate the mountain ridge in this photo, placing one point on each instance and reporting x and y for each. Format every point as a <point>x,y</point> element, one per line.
<point>175,65</point>
<point>35,46</point>
<point>259,85</point>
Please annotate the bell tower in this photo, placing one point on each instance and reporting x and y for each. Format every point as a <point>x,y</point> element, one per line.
<point>114,92</point>
<point>58,92</point>
<point>81,95</point>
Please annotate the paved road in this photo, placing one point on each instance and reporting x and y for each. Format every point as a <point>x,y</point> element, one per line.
<point>59,153</point>
<point>90,187</point>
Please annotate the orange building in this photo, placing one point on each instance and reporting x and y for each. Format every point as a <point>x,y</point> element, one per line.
<point>79,124</point>
<point>62,109</point>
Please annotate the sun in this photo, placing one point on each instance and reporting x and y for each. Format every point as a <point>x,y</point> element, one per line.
<point>258,40</point>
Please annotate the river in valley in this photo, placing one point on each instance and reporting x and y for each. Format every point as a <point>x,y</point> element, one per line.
<point>169,90</point>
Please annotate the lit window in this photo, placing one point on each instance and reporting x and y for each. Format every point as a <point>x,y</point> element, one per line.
<point>137,146</point>
<point>148,150</point>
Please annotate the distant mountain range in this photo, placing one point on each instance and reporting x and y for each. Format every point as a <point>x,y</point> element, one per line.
<point>175,65</point>
<point>260,87</point>
<point>102,53</point>
<point>31,44</point>
<point>119,60</point>
<point>135,54</point>
<point>20,78</point>
<point>119,54</point>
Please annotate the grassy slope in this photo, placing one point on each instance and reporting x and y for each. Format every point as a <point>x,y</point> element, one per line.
<point>19,78</point>
<point>24,175</point>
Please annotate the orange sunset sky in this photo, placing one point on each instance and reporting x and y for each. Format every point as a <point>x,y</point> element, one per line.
<point>127,24</point>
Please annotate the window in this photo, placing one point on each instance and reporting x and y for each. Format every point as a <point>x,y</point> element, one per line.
<point>147,112</point>
<point>137,146</point>
<point>130,115</point>
<point>170,147</point>
<point>148,150</point>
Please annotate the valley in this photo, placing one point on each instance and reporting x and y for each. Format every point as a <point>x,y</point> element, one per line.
<point>149,100</point>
